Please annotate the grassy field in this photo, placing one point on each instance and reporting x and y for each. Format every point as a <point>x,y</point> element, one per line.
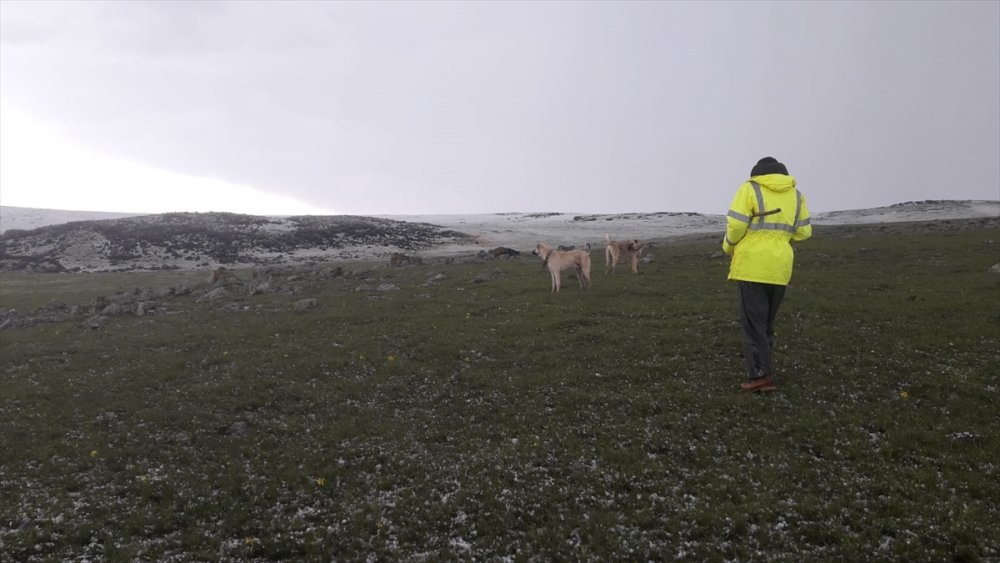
<point>496,421</point>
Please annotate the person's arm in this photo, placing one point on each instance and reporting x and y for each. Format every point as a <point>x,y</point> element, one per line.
<point>803,226</point>
<point>738,219</point>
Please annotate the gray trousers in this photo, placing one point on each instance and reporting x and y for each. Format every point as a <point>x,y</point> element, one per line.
<point>759,304</point>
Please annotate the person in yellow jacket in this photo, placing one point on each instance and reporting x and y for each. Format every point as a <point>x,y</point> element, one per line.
<point>768,213</point>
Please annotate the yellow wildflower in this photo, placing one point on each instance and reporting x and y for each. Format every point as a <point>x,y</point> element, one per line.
<point>904,394</point>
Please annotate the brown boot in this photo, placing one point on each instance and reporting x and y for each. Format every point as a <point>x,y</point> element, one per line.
<point>761,384</point>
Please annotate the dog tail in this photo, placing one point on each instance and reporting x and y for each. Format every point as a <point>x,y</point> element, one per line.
<point>607,238</point>
<point>588,248</point>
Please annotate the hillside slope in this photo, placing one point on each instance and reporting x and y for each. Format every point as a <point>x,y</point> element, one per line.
<point>208,240</point>
<point>192,240</point>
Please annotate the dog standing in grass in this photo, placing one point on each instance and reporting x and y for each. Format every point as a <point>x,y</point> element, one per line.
<point>555,261</point>
<point>618,249</point>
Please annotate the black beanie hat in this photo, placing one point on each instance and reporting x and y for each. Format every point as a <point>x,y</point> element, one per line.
<point>768,165</point>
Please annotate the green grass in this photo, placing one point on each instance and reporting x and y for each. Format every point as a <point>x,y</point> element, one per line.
<point>30,291</point>
<point>467,421</point>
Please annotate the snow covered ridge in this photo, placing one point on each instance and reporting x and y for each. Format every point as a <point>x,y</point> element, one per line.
<point>31,218</point>
<point>55,241</point>
<point>207,240</point>
<point>928,210</point>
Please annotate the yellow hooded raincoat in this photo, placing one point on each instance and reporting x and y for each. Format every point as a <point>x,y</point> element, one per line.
<point>766,215</point>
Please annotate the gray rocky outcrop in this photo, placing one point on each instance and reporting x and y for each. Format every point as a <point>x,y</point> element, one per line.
<point>305,304</point>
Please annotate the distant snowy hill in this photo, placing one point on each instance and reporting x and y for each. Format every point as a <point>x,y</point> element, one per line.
<point>200,240</point>
<point>30,218</point>
<point>48,240</point>
<point>911,211</point>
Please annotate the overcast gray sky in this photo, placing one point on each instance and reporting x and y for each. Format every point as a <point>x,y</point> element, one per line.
<point>481,107</point>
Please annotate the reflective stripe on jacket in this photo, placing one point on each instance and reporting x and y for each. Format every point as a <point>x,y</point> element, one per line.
<point>766,215</point>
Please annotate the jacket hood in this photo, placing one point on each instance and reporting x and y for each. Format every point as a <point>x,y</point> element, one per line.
<point>775,182</point>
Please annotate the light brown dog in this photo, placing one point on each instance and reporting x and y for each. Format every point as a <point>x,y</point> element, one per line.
<point>618,249</point>
<point>555,261</point>
<point>219,275</point>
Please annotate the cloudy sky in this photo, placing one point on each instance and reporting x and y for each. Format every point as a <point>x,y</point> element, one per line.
<point>482,107</point>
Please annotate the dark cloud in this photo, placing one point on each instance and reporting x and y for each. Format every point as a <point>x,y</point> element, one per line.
<point>480,107</point>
